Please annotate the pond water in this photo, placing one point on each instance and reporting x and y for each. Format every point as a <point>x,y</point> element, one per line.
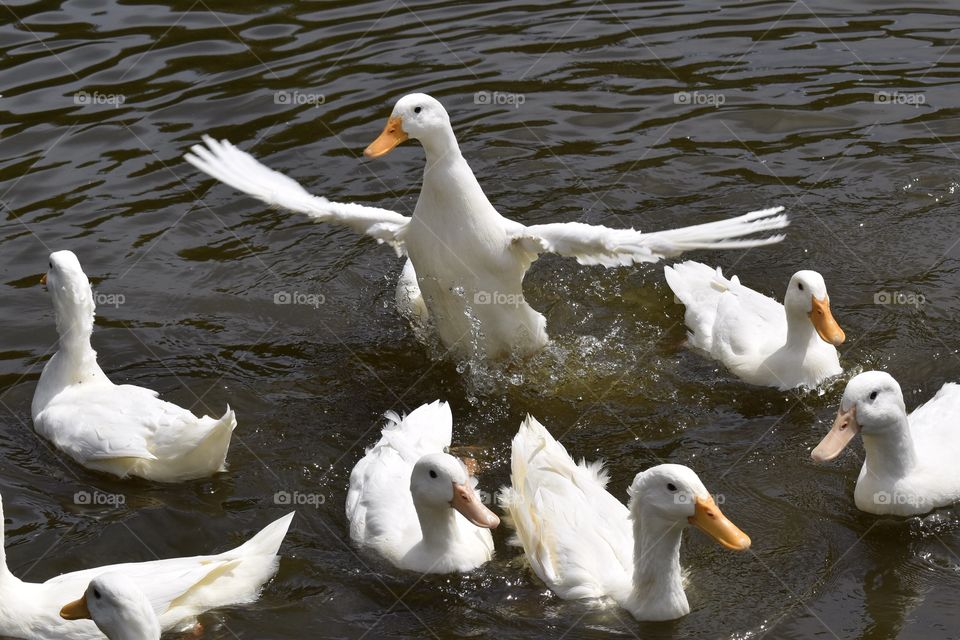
<point>650,114</point>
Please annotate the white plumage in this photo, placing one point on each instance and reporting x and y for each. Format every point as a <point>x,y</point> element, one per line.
<point>120,429</point>
<point>118,607</point>
<point>576,535</point>
<point>178,589</point>
<point>760,340</point>
<point>585,544</point>
<point>416,505</point>
<point>466,260</point>
<point>910,463</point>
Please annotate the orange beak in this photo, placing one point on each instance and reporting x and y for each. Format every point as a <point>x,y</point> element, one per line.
<point>824,323</point>
<point>76,610</point>
<point>708,518</point>
<point>466,501</point>
<point>43,280</point>
<point>393,134</point>
<point>841,433</point>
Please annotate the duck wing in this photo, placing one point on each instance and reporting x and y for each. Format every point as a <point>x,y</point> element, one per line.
<point>746,320</point>
<point>596,244</point>
<point>935,425</point>
<point>243,172</point>
<point>99,423</point>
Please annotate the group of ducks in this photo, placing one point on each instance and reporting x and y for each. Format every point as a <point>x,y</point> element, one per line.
<point>409,499</point>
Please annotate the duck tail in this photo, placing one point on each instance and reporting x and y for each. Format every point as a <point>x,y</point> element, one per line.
<point>265,543</point>
<point>216,442</point>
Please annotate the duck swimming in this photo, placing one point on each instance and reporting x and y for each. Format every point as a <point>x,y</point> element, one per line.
<point>760,340</point>
<point>178,589</point>
<point>466,262</point>
<point>416,505</point>
<point>122,429</point>
<point>585,544</point>
<point>910,464</point>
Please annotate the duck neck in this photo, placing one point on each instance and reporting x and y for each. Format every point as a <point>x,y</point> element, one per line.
<point>890,454</point>
<point>438,525</point>
<point>136,624</point>
<point>657,592</point>
<point>451,198</point>
<point>75,311</point>
<point>800,331</point>
<point>440,148</point>
<point>75,361</point>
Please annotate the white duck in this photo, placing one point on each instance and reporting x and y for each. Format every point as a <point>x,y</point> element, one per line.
<point>120,429</point>
<point>760,340</point>
<point>178,589</point>
<point>466,261</point>
<point>118,607</point>
<point>911,462</point>
<point>585,544</point>
<point>415,504</point>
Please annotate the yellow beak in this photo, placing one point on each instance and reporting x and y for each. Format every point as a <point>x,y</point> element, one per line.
<point>393,134</point>
<point>467,502</point>
<point>76,610</point>
<point>841,433</point>
<point>708,518</point>
<point>43,280</point>
<point>824,323</point>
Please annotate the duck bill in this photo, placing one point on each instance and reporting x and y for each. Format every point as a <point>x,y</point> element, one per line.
<point>43,280</point>
<point>824,322</point>
<point>467,502</point>
<point>841,433</point>
<point>76,610</point>
<point>393,134</point>
<point>708,518</point>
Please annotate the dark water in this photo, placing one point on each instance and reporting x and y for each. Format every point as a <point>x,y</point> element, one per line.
<point>652,114</point>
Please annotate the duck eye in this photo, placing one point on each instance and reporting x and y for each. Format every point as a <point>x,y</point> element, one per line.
<point>433,474</point>
<point>800,286</point>
<point>96,594</point>
<point>51,264</point>
<point>671,486</point>
<point>873,396</point>
<point>418,110</point>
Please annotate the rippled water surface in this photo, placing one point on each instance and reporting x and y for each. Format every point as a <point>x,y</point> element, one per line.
<point>651,115</point>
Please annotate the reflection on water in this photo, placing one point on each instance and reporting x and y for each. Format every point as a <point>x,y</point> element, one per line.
<point>651,115</point>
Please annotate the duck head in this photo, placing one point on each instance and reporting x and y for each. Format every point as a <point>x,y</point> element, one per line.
<point>118,607</point>
<point>872,404</point>
<point>675,494</point>
<point>807,300</point>
<point>416,116</point>
<point>70,289</point>
<point>440,481</point>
